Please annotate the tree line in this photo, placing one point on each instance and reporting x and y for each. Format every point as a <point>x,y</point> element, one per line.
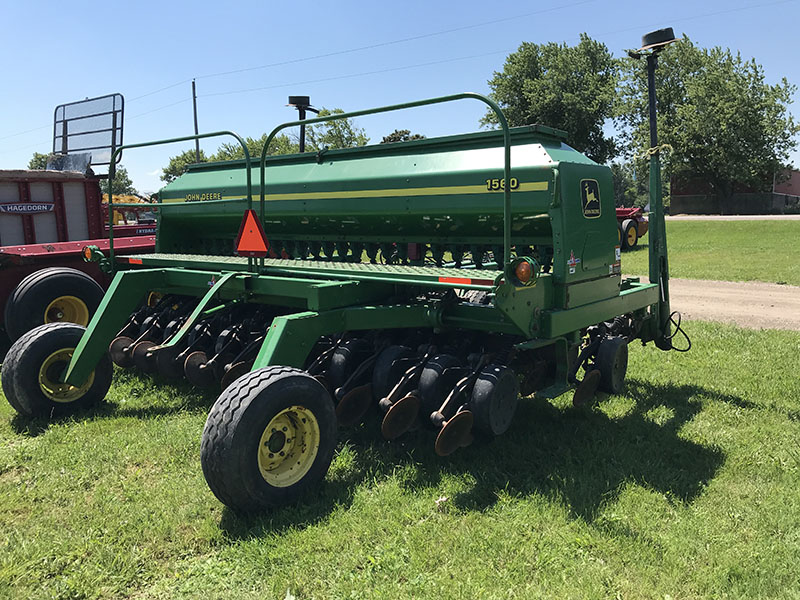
<point>719,119</point>
<point>717,116</point>
<point>343,133</point>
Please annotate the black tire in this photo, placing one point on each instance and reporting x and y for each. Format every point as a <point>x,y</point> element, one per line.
<point>346,359</point>
<point>630,233</point>
<point>27,361</point>
<point>612,360</point>
<point>435,384</point>
<point>494,399</point>
<point>235,431</point>
<point>387,371</point>
<point>27,306</point>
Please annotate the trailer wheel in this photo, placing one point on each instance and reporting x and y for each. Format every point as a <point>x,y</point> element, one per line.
<point>494,399</point>
<point>612,360</point>
<point>268,439</point>
<point>34,364</point>
<point>52,295</point>
<point>630,233</point>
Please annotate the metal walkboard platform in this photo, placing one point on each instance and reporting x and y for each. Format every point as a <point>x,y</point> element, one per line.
<point>407,274</point>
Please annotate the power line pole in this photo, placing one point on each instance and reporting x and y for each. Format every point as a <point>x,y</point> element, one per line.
<point>197,140</point>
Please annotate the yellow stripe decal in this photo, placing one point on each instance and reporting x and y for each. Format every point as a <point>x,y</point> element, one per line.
<point>532,186</point>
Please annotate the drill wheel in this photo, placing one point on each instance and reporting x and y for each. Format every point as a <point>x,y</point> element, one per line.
<point>237,370</point>
<point>193,371</point>
<point>116,350</point>
<point>456,433</point>
<point>401,417</point>
<point>584,393</point>
<point>167,363</point>
<point>354,405</point>
<point>144,362</point>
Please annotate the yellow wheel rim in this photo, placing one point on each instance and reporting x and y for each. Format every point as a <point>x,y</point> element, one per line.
<point>50,375</point>
<point>288,446</point>
<point>631,236</point>
<point>67,309</point>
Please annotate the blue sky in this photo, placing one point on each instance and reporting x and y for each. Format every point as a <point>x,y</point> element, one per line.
<point>344,54</point>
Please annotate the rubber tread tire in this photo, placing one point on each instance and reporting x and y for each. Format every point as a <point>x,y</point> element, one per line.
<point>234,428</point>
<point>489,417</point>
<point>611,350</point>
<point>20,371</point>
<point>11,357</point>
<point>26,305</point>
<point>626,225</point>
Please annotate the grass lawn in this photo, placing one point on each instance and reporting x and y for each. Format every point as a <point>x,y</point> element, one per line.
<point>684,487</point>
<point>727,250</point>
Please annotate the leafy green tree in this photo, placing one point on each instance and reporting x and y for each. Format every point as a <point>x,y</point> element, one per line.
<point>122,182</point>
<point>38,161</point>
<point>334,134</point>
<point>227,151</point>
<point>725,124</point>
<point>178,164</point>
<point>630,183</point>
<point>401,135</point>
<point>568,87</point>
<point>281,144</point>
<point>339,134</point>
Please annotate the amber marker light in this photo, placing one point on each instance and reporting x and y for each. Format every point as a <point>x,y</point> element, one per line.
<point>524,272</point>
<point>91,253</point>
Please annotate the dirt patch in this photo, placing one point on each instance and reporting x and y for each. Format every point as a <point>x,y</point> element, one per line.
<point>748,304</point>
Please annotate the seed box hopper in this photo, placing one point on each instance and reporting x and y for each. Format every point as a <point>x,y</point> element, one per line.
<point>435,281</point>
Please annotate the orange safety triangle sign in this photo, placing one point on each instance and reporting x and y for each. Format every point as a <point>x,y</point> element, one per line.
<point>251,241</point>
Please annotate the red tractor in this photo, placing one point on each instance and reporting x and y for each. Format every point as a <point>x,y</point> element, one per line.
<point>632,225</point>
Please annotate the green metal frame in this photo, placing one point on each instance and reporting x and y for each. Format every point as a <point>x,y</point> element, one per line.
<point>112,169</point>
<point>394,107</point>
<point>330,297</point>
<point>329,306</point>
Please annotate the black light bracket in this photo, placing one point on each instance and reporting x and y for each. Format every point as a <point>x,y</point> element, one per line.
<point>302,104</point>
<point>655,41</point>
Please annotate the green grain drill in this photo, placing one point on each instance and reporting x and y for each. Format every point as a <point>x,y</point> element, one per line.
<point>434,282</point>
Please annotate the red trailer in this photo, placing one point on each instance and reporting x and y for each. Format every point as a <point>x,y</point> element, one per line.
<point>632,225</point>
<point>46,219</point>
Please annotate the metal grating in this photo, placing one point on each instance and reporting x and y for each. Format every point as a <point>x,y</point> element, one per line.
<point>92,125</point>
<point>403,271</point>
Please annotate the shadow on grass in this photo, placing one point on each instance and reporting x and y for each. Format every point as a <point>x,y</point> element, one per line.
<point>640,247</point>
<point>180,397</point>
<point>579,457</point>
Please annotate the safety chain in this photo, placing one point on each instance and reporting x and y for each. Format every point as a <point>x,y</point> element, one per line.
<point>655,150</point>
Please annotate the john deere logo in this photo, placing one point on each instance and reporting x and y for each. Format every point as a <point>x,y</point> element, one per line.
<point>590,198</point>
